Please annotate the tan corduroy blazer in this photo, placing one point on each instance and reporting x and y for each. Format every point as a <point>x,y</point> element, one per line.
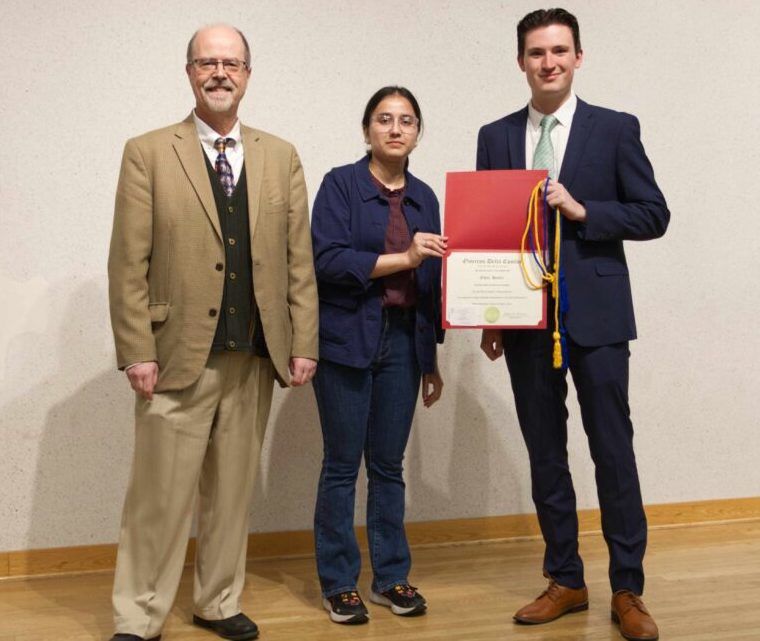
<point>165,286</point>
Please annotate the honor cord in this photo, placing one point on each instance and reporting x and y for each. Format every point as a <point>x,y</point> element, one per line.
<point>532,238</point>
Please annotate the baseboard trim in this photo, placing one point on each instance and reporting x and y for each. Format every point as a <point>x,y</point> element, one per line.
<point>89,558</point>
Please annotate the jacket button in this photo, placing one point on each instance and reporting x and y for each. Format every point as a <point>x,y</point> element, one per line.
<point>233,275</point>
<point>231,344</point>
<point>212,312</point>
<point>219,267</point>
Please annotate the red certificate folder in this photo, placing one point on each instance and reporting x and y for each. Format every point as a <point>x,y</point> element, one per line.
<point>486,211</point>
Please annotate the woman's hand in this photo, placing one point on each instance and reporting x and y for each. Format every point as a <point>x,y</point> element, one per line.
<point>424,245</point>
<point>432,386</point>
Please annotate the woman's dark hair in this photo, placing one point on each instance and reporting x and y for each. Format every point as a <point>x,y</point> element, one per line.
<point>380,95</point>
<point>383,93</point>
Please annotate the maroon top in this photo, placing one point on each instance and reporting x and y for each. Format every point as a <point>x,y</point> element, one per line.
<point>399,287</point>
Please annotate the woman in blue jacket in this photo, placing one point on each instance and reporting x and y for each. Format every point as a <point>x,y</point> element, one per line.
<point>377,248</point>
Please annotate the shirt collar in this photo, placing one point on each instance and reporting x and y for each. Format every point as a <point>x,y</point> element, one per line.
<point>368,190</point>
<point>208,136</point>
<point>564,114</point>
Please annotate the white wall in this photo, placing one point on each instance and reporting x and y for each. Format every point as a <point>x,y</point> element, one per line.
<point>79,78</point>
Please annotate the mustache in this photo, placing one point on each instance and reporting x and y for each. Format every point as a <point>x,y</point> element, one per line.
<point>215,84</point>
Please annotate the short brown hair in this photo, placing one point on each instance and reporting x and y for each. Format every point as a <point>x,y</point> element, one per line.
<point>544,18</point>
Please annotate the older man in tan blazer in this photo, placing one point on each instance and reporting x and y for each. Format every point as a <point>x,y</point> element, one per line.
<point>212,296</point>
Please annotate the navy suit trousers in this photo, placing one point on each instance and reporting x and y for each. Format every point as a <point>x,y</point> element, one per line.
<point>600,375</point>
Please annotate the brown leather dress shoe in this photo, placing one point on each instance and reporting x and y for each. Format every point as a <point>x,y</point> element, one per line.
<point>630,613</point>
<point>552,603</point>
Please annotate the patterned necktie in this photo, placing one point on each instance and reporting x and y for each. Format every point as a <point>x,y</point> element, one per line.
<point>543,156</point>
<point>222,165</point>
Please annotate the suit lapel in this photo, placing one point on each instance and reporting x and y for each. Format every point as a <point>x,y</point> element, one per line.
<point>579,134</point>
<point>516,124</point>
<point>190,155</point>
<point>254,172</point>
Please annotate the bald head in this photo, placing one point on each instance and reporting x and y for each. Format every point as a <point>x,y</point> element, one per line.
<point>216,31</point>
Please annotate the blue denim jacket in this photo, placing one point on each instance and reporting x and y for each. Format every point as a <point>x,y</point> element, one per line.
<point>348,226</point>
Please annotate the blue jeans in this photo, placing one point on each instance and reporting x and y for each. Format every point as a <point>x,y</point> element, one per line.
<point>366,411</point>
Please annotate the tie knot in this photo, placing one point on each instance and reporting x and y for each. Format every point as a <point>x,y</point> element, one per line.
<point>548,123</point>
<point>220,144</point>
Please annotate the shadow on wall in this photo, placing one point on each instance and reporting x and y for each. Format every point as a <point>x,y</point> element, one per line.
<point>457,429</point>
<point>84,453</point>
<point>85,440</point>
<point>286,487</point>
<point>465,485</point>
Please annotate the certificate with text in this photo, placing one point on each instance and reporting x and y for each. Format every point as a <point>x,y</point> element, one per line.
<point>487,289</point>
<point>483,281</point>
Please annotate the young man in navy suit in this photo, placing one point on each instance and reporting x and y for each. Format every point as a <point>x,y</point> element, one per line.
<point>604,187</point>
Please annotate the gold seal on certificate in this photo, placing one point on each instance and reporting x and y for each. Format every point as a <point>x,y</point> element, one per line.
<point>492,314</point>
<point>487,289</point>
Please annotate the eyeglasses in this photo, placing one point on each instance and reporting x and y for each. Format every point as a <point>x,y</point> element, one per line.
<point>407,124</point>
<point>210,65</point>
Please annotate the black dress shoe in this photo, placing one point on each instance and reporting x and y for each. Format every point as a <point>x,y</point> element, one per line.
<point>132,637</point>
<point>237,628</point>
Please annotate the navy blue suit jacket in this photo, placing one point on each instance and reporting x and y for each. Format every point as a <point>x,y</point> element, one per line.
<point>348,226</point>
<point>606,169</point>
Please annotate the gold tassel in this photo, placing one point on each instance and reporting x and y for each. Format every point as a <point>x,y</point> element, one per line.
<point>547,277</point>
<point>557,356</point>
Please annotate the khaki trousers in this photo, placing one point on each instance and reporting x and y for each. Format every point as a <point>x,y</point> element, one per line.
<point>206,437</point>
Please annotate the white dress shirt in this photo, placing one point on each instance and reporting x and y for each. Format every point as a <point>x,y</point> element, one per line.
<point>559,134</point>
<point>208,137</point>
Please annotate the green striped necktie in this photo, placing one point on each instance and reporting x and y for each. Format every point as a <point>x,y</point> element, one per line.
<point>543,156</point>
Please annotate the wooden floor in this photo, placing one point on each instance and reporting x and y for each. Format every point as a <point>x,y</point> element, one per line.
<point>703,583</point>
